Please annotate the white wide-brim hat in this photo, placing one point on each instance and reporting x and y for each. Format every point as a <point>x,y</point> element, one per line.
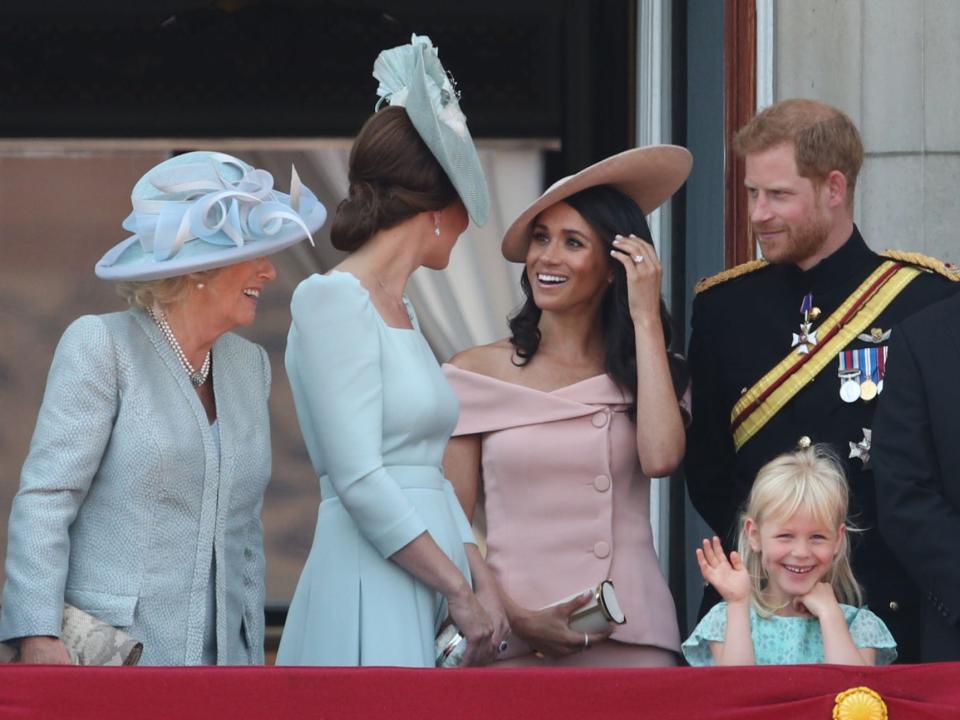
<point>412,77</point>
<point>205,210</point>
<point>647,175</point>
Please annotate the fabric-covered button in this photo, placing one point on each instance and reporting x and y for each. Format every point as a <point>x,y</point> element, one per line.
<point>894,606</point>
<point>599,419</point>
<point>601,483</point>
<point>601,549</point>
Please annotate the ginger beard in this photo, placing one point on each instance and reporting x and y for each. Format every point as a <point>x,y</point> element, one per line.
<point>785,242</point>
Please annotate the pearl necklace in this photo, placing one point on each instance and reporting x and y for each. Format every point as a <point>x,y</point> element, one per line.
<point>197,377</point>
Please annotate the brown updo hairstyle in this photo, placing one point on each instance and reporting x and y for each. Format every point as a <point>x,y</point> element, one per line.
<point>393,176</point>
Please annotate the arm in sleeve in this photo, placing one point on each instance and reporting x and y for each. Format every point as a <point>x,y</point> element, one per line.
<point>917,520</point>
<point>697,649</point>
<point>868,631</point>
<point>254,571</point>
<point>709,462</point>
<point>73,428</point>
<point>333,355</point>
<point>459,516</point>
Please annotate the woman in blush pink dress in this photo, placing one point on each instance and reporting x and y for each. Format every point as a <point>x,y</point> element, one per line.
<point>563,424</point>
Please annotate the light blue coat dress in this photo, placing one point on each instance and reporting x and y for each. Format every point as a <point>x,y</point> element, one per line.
<point>125,507</point>
<point>376,414</point>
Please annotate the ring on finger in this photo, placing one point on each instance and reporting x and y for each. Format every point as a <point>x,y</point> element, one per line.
<point>637,259</point>
<point>502,647</point>
<point>586,641</point>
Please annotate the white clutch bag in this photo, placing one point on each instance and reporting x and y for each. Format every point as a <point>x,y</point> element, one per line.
<point>602,611</point>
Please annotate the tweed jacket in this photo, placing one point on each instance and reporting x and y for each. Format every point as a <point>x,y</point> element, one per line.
<point>123,498</point>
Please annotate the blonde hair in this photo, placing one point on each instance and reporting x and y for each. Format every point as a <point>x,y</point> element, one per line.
<point>164,292</point>
<point>810,479</point>
<point>824,139</point>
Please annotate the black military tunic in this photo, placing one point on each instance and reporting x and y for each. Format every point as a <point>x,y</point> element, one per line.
<point>741,329</point>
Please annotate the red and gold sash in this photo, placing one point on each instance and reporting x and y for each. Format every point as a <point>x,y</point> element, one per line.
<point>770,393</point>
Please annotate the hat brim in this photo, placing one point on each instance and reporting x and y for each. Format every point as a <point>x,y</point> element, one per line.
<point>128,261</point>
<point>647,175</point>
<point>454,150</point>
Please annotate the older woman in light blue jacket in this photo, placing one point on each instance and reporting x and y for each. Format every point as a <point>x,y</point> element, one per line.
<point>140,499</point>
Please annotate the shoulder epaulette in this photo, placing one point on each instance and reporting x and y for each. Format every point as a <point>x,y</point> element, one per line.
<point>948,270</point>
<point>728,274</point>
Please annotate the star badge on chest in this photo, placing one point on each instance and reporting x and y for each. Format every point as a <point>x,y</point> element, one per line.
<point>861,450</point>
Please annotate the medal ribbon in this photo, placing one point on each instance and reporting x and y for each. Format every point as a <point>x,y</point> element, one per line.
<point>869,364</point>
<point>777,387</point>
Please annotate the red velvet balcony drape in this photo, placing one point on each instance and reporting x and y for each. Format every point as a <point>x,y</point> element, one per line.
<point>772,693</point>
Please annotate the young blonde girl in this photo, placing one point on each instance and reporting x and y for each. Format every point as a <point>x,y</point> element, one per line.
<point>789,594</point>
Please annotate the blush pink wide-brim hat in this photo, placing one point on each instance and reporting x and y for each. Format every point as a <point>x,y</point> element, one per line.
<point>647,175</point>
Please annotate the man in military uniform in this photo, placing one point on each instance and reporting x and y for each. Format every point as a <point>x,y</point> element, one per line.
<point>793,348</point>
<point>916,458</point>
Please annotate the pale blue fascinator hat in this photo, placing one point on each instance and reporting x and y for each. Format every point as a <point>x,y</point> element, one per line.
<point>205,210</point>
<point>412,77</point>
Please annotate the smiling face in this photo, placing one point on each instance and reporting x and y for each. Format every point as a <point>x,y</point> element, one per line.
<point>788,213</point>
<point>796,553</point>
<point>567,261</point>
<point>230,296</point>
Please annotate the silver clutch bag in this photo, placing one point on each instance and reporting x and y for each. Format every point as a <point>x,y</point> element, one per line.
<point>449,647</point>
<point>89,641</point>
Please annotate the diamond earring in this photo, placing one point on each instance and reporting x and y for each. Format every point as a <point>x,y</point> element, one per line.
<point>200,286</point>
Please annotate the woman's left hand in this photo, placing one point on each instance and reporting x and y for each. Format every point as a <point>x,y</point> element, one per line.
<point>475,626</point>
<point>489,597</point>
<point>644,272</point>
<point>488,593</point>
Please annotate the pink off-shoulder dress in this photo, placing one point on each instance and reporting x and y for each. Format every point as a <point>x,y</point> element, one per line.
<point>566,503</point>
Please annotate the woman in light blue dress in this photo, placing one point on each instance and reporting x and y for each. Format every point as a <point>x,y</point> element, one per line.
<point>393,554</point>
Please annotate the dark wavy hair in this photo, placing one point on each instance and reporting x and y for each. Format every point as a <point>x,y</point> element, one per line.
<point>393,176</point>
<point>610,213</point>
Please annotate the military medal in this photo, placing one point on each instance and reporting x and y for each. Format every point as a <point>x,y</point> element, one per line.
<point>861,450</point>
<point>849,374</point>
<point>876,358</point>
<point>806,338</point>
<point>850,388</point>
<point>868,365</point>
<point>861,373</point>
<point>881,365</point>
